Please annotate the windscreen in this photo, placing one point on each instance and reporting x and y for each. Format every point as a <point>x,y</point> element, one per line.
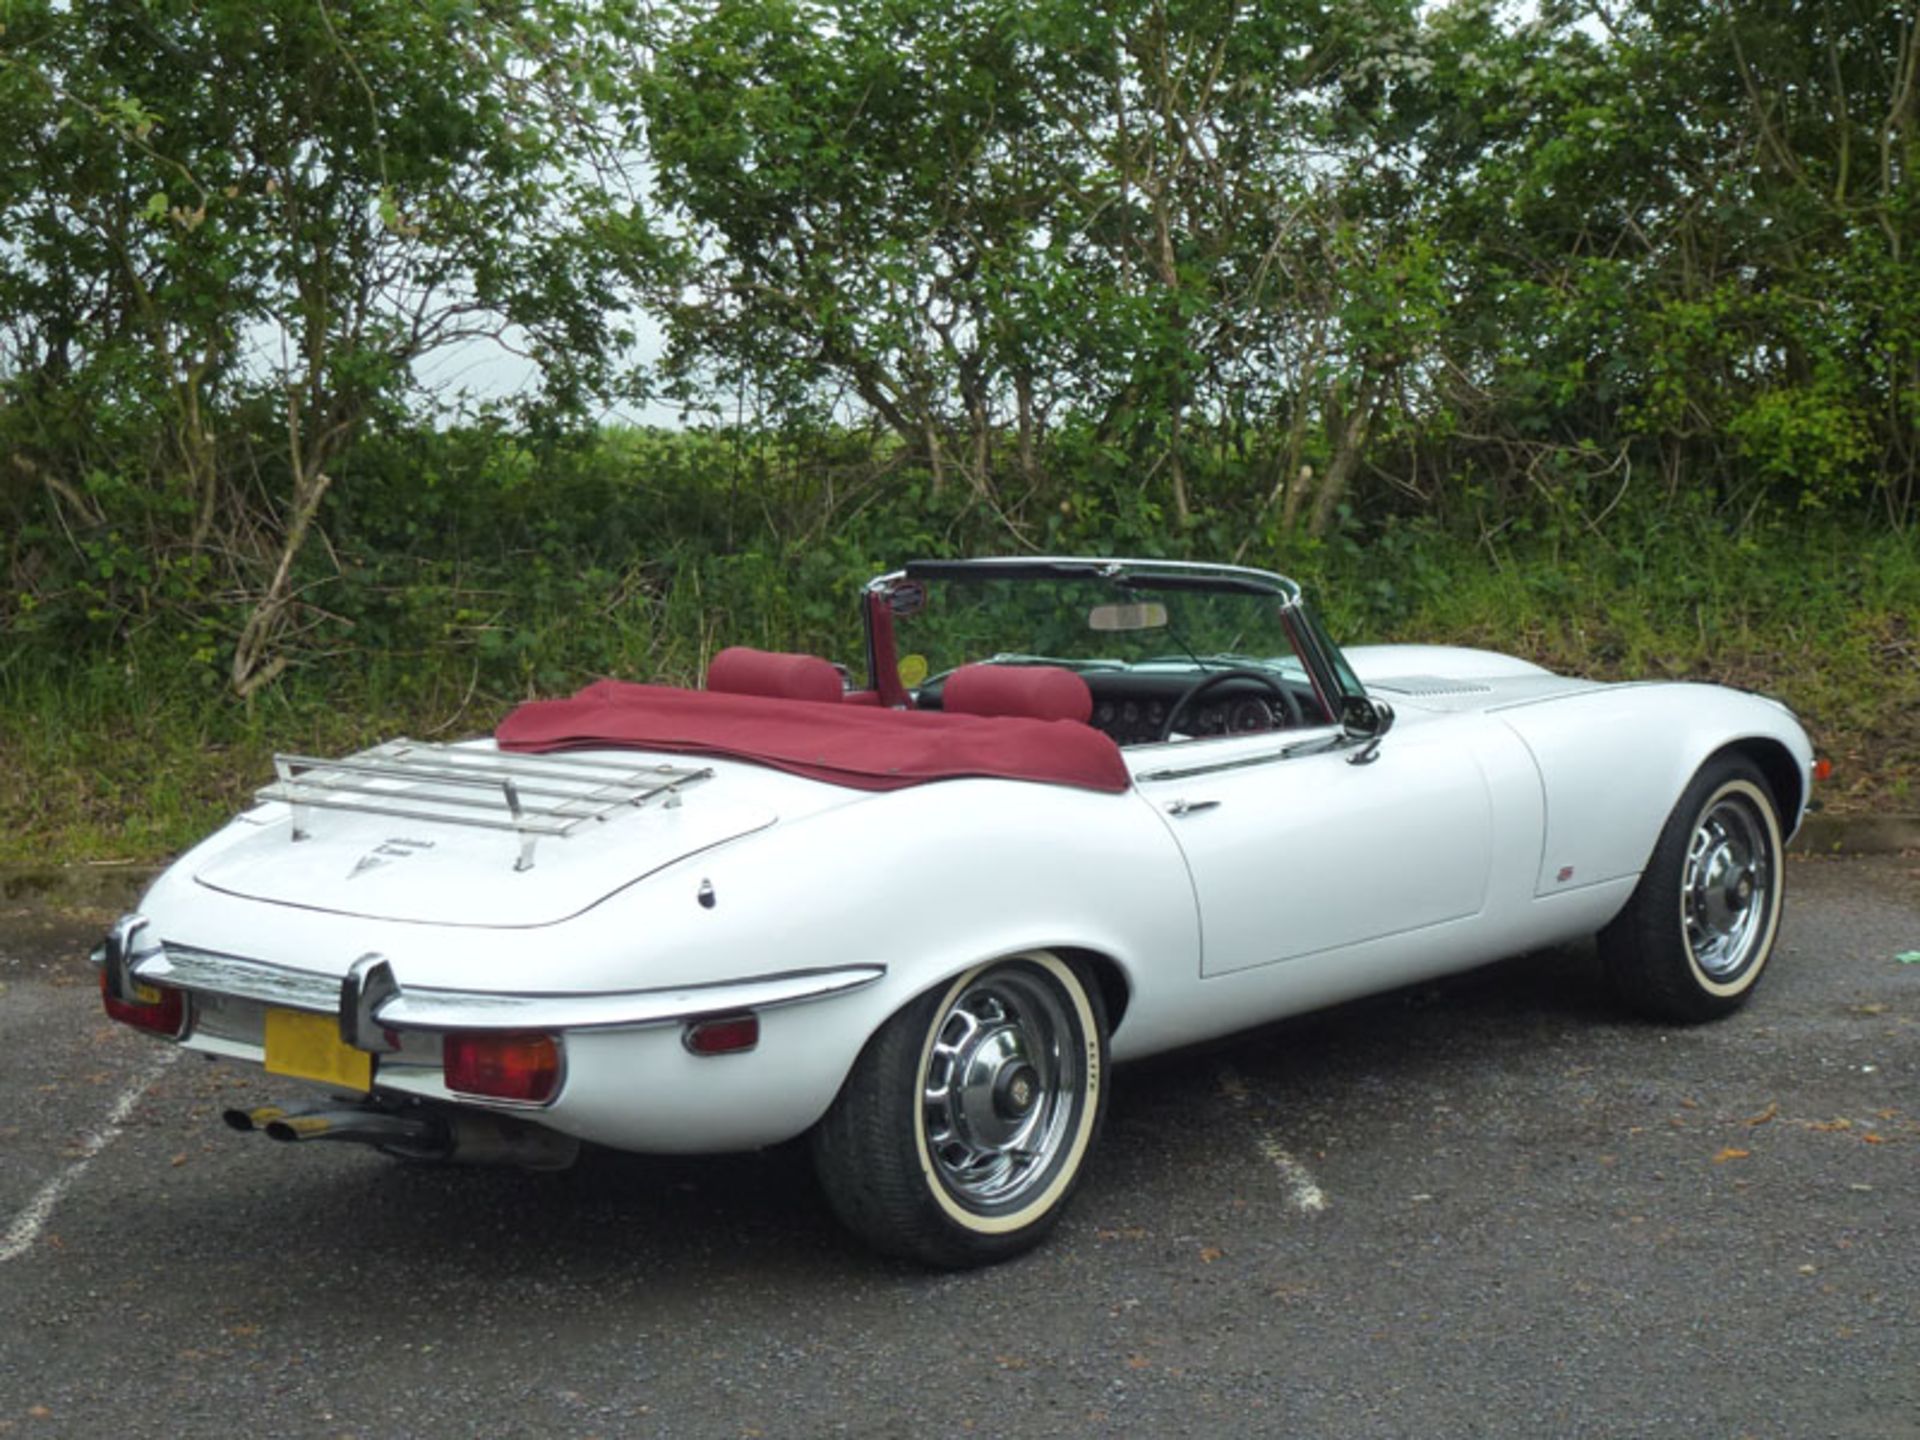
<point>1086,623</point>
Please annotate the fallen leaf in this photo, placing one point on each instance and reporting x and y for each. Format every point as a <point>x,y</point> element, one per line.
<point>1730,1154</point>
<point>39,1412</point>
<point>1210,1254</point>
<point>1834,1124</point>
<point>1765,1115</point>
<point>178,1160</point>
<point>1139,1362</point>
<point>1908,957</point>
<point>1873,1139</point>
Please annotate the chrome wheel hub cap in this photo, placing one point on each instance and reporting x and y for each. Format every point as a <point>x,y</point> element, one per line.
<point>1001,1088</point>
<point>1724,894</point>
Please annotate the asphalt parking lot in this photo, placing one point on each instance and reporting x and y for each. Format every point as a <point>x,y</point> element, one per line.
<point>1496,1207</point>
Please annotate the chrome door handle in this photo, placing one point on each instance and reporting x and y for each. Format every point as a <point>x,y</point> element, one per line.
<point>1192,807</point>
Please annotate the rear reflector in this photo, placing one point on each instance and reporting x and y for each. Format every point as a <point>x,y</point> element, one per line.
<point>1822,769</point>
<point>723,1035</point>
<point>511,1066</point>
<point>153,1008</point>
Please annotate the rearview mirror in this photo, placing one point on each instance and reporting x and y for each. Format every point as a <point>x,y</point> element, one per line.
<point>1363,722</point>
<point>1364,718</point>
<point>1141,615</point>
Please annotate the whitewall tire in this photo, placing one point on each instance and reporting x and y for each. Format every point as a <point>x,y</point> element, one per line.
<point>966,1122</point>
<point>1694,940</point>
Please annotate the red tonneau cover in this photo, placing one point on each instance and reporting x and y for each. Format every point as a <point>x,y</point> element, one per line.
<point>862,747</point>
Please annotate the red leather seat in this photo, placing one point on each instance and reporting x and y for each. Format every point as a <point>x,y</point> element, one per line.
<point>1038,692</point>
<point>740,670</point>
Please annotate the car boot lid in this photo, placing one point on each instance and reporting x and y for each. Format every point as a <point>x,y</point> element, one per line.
<point>462,835</point>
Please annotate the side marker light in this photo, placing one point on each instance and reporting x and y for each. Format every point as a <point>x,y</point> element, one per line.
<point>722,1035</point>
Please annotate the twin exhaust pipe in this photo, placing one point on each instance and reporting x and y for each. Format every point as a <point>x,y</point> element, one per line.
<point>462,1138</point>
<point>363,1125</point>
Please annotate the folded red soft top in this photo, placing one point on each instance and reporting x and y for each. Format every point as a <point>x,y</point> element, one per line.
<point>862,747</point>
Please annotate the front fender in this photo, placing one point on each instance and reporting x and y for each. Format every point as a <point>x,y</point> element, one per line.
<point>1613,763</point>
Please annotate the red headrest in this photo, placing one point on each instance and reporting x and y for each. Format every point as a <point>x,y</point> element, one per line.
<point>1041,692</point>
<point>739,670</point>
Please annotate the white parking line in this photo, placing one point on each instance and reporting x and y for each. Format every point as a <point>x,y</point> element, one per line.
<point>27,1226</point>
<point>1303,1193</point>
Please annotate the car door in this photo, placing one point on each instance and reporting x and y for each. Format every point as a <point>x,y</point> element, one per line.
<point>1294,850</point>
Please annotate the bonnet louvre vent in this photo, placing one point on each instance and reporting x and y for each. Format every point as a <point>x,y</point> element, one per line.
<point>1430,685</point>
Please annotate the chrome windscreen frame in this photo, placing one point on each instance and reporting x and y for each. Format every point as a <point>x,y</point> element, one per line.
<point>1327,670</point>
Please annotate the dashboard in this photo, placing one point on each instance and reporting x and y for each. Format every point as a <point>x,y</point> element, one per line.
<point>1133,708</point>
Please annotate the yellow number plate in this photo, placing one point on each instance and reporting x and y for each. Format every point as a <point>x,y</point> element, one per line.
<point>309,1046</point>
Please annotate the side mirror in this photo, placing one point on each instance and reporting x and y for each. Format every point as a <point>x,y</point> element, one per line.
<point>1364,721</point>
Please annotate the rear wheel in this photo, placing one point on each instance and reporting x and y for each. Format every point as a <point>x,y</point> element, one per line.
<point>964,1125</point>
<point>1695,938</point>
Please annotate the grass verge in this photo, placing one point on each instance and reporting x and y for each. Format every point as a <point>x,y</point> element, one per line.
<point>132,758</point>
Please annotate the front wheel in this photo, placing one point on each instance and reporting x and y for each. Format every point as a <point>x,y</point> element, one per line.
<point>964,1125</point>
<point>1694,939</point>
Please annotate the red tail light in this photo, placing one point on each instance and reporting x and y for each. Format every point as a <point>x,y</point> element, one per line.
<point>153,1008</point>
<point>502,1066</point>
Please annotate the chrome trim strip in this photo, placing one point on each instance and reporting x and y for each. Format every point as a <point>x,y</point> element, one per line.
<point>436,1010</point>
<point>1332,741</point>
<point>469,1010</point>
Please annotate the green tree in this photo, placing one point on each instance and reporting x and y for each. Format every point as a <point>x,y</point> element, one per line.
<point>968,218</point>
<point>1686,232</point>
<point>234,230</point>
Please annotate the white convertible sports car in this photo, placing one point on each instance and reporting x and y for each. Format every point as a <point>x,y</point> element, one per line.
<point>1085,810</point>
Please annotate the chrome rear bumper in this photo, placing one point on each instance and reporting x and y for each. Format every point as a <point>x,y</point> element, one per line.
<point>370,998</point>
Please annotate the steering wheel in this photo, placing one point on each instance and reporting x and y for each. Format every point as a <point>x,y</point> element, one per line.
<point>1290,702</point>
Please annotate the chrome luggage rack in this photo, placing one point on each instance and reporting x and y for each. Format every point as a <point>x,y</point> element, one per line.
<point>531,795</point>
